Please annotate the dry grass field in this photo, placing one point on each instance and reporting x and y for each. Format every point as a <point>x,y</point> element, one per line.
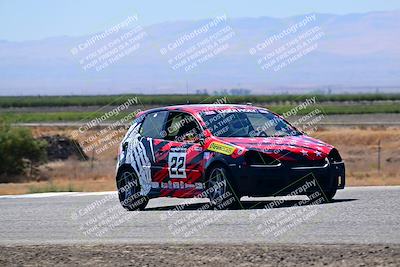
<point>358,147</point>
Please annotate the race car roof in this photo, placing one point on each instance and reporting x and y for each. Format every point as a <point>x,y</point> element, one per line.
<point>198,108</point>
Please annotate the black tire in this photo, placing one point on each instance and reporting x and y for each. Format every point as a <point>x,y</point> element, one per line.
<point>129,189</point>
<point>328,191</point>
<point>221,191</point>
<point>331,192</point>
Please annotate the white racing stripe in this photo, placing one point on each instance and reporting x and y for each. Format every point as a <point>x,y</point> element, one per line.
<point>59,194</point>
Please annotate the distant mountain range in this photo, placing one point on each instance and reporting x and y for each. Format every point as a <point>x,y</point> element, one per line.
<point>355,51</point>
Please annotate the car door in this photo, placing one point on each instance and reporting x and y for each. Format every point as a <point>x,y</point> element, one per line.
<point>185,155</point>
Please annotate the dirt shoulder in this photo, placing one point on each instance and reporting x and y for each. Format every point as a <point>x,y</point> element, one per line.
<point>204,255</point>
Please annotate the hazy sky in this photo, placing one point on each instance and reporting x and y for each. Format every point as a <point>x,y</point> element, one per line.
<point>37,19</point>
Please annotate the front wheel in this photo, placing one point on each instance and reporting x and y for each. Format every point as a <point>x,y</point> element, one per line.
<point>220,190</point>
<point>329,190</point>
<point>129,189</point>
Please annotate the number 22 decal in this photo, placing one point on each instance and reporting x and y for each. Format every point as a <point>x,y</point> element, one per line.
<point>177,164</point>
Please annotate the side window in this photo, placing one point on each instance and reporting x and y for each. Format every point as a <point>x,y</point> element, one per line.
<point>182,127</point>
<point>153,125</point>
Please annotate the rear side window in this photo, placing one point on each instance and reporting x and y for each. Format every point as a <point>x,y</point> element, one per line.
<point>153,125</point>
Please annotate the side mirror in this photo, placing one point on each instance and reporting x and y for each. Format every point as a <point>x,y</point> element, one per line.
<point>190,137</point>
<point>202,141</point>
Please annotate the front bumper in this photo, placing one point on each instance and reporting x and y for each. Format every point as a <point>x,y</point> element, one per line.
<point>284,179</point>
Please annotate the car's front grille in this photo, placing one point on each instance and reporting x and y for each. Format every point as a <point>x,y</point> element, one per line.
<point>307,164</point>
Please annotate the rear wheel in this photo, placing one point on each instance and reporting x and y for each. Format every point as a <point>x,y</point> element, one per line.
<point>221,191</point>
<point>129,189</point>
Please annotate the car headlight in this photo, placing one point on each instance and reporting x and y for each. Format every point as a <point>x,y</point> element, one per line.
<point>259,159</point>
<point>334,156</point>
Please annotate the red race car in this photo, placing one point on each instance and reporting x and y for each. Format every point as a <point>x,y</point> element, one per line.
<point>221,152</point>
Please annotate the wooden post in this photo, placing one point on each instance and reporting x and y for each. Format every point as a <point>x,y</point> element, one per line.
<point>92,159</point>
<point>379,155</point>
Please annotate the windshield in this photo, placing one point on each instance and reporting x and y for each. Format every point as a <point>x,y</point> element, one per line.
<point>246,123</point>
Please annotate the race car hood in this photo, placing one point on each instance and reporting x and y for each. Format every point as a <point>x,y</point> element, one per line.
<point>299,147</point>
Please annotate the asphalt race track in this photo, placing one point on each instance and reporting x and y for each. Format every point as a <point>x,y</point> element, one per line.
<point>359,215</point>
<point>363,219</point>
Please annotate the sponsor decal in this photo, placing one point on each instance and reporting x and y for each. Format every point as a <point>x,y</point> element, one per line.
<point>180,185</point>
<point>233,110</point>
<point>176,185</point>
<point>199,186</point>
<point>221,148</point>
<point>189,186</point>
<point>209,112</point>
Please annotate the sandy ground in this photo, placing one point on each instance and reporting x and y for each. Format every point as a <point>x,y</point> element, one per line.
<point>201,255</point>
